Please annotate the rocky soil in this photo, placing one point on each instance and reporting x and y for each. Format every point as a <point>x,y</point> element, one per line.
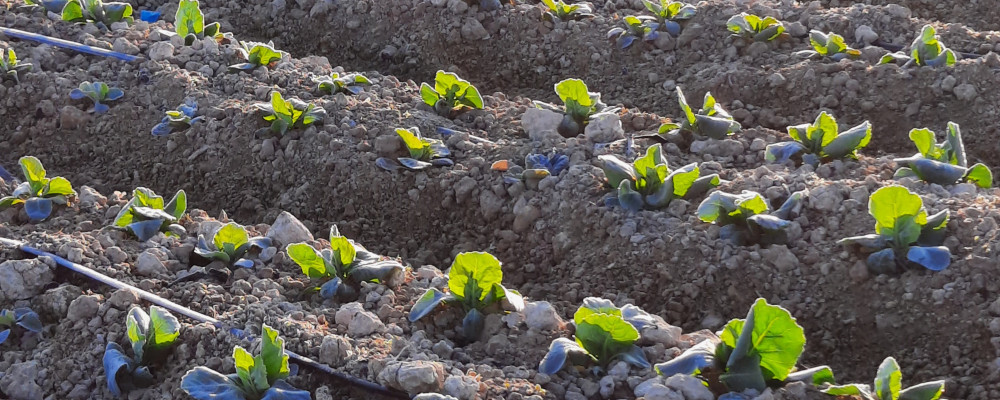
<point>558,241</point>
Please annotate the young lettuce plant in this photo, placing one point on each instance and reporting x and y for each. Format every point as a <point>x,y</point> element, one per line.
<point>580,105</point>
<point>38,193</point>
<point>342,266</point>
<point>641,27</point>
<point>256,378</point>
<point>904,234</point>
<point>350,83</point>
<point>98,12</point>
<point>943,163</point>
<point>151,335</point>
<point>754,28</point>
<point>145,214</point>
<point>560,10</point>
<point>648,182</point>
<point>22,317</point>
<point>230,244</point>
<point>450,94</point>
<point>424,153</point>
<point>189,23</point>
<point>889,386</point>
<point>52,6</point>
<point>97,92</point>
<point>746,218</point>
<point>820,141</point>
<point>257,55</point>
<point>668,13</point>
<point>604,333</point>
<point>178,120</point>
<point>474,284</point>
<point>926,49</point>
<point>711,121</point>
<point>537,166</point>
<point>754,353</point>
<point>828,45</point>
<point>289,114</point>
<point>10,66</point>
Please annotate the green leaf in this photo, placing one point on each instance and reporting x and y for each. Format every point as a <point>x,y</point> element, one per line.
<point>752,204</point>
<point>652,159</point>
<point>136,331</point>
<point>445,81</point>
<point>231,234</point>
<point>344,248</point>
<point>595,305</point>
<point>890,203</point>
<point>73,12</point>
<point>59,186</point>
<point>888,380</point>
<point>731,332</point>
<point>309,260</point>
<point>954,148</point>
<point>428,94</point>
<point>924,391</point>
<point>177,205</point>
<point>417,146</point>
<point>244,363</point>
<point>849,390</point>
<point>684,178</point>
<point>272,351</point>
<point>472,97</point>
<point>576,90</point>
<point>34,173</point>
<point>776,337</point>
<point>924,140</point>
<point>189,18</point>
<point>165,327</point>
<point>980,175</point>
<point>605,336</point>
<point>688,113</point>
<point>473,275</point>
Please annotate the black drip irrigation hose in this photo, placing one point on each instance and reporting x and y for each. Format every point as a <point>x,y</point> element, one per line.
<point>362,384</point>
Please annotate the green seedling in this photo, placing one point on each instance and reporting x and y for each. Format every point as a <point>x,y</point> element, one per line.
<point>424,153</point>
<point>711,121</point>
<point>289,114</point>
<point>926,49</point>
<point>145,214</point>
<point>473,284</point>
<point>256,378</point>
<point>942,163</point>
<point>19,317</point>
<point>754,28</point>
<point>828,45</point>
<point>52,6</point>
<point>349,84</point>
<point>641,27</point>
<point>889,386</point>
<point>257,55</point>
<point>820,142</point>
<point>10,66</point>
<point>746,218</point>
<point>758,352</point>
<point>562,11</point>
<point>38,193</point>
<point>669,14</point>
<point>230,244</point>
<point>97,12</point>
<point>604,333</point>
<point>580,106</point>
<point>189,23</point>
<point>537,166</point>
<point>97,92</point>
<point>342,266</point>
<point>150,335</point>
<point>450,94</point>
<point>648,182</point>
<point>178,120</point>
<point>905,234</point>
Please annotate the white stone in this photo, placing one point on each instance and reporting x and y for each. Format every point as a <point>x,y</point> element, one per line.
<point>540,315</point>
<point>541,124</point>
<point>160,51</point>
<point>287,229</point>
<point>604,128</point>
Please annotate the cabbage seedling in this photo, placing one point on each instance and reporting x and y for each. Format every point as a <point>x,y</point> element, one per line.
<point>257,55</point>
<point>604,333</point>
<point>350,83</point>
<point>754,353</point>
<point>830,45</point>
<point>145,214</point>
<point>256,378</point>
<point>151,335</point>
<point>342,265</point>
<point>450,94</point>
<point>101,13</point>
<point>926,49</point>
<point>289,114</point>
<point>474,284</point>
<point>52,6</point>
<point>22,317</point>
<point>904,233</point>
<point>710,121</point>
<point>560,10</point>
<point>668,13</point>
<point>642,27</point>
<point>178,120</point>
<point>580,105</point>
<point>424,153</point>
<point>888,386</point>
<point>820,141</point>
<point>943,163</point>
<point>536,167</point>
<point>746,218</point>
<point>189,23</point>
<point>754,28</point>
<point>230,244</point>
<point>648,182</point>
<point>10,66</point>
<point>98,92</point>
<point>38,193</point>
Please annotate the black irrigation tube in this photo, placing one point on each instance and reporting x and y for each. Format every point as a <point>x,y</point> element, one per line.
<point>370,387</point>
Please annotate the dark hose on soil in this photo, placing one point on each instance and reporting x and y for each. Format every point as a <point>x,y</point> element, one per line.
<point>370,387</point>
<point>66,44</point>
